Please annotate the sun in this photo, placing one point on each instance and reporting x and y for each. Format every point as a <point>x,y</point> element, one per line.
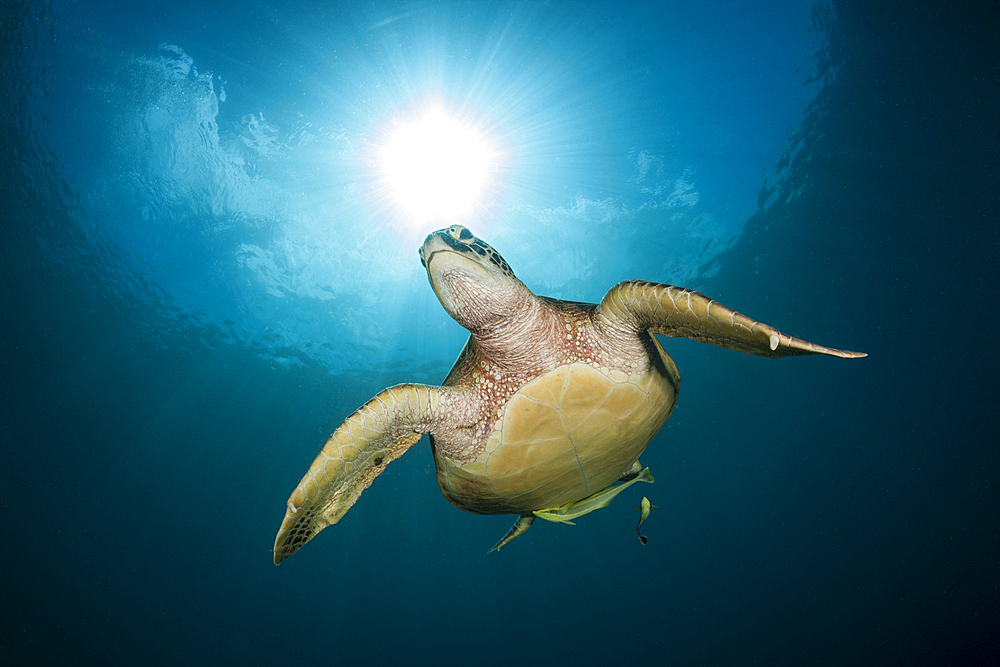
<point>435,167</point>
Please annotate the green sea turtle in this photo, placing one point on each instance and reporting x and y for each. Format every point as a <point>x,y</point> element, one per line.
<point>549,403</point>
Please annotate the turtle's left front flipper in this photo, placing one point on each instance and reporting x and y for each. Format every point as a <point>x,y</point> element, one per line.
<point>359,450</point>
<point>675,311</point>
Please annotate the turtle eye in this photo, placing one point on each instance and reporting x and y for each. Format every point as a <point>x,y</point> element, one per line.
<point>461,234</point>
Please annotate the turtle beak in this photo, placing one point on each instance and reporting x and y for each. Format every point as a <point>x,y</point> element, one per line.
<point>426,250</point>
<point>433,244</point>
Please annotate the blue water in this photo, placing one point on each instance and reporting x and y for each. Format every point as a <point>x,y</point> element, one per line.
<point>201,278</point>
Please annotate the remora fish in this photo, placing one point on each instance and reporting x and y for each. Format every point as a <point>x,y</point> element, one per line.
<point>645,508</point>
<point>565,513</point>
<point>572,510</point>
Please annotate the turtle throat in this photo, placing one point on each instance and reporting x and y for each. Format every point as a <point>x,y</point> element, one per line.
<point>514,343</point>
<point>489,310</point>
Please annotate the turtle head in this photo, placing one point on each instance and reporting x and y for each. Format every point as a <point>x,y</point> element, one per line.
<point>472,281</point>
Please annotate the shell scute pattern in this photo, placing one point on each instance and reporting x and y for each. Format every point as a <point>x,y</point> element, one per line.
<point>623,402</point>
<point>567,432</point>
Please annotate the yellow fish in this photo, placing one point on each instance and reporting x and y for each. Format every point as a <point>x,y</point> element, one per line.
<point>645,508</point>
<point>577,508</point>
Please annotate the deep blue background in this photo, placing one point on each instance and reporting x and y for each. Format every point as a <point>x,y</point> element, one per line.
<point>159,404</point>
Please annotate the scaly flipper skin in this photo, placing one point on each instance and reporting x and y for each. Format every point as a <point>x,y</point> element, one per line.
<point>637,305</point>
<point>358,451</point>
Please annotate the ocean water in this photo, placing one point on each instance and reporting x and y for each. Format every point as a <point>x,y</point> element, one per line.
<point>203,274</point>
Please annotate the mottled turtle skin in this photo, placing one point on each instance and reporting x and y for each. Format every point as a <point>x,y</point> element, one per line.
<point>549,402</point>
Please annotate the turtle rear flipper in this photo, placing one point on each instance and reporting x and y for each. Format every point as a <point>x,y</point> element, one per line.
<point>519,528</point>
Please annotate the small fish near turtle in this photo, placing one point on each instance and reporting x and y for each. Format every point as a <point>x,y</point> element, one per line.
<point>548,406</point>
<point>644,508</point>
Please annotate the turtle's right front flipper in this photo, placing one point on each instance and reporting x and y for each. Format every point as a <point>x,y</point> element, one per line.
<point>675,311</point>
<point>358,451</point>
